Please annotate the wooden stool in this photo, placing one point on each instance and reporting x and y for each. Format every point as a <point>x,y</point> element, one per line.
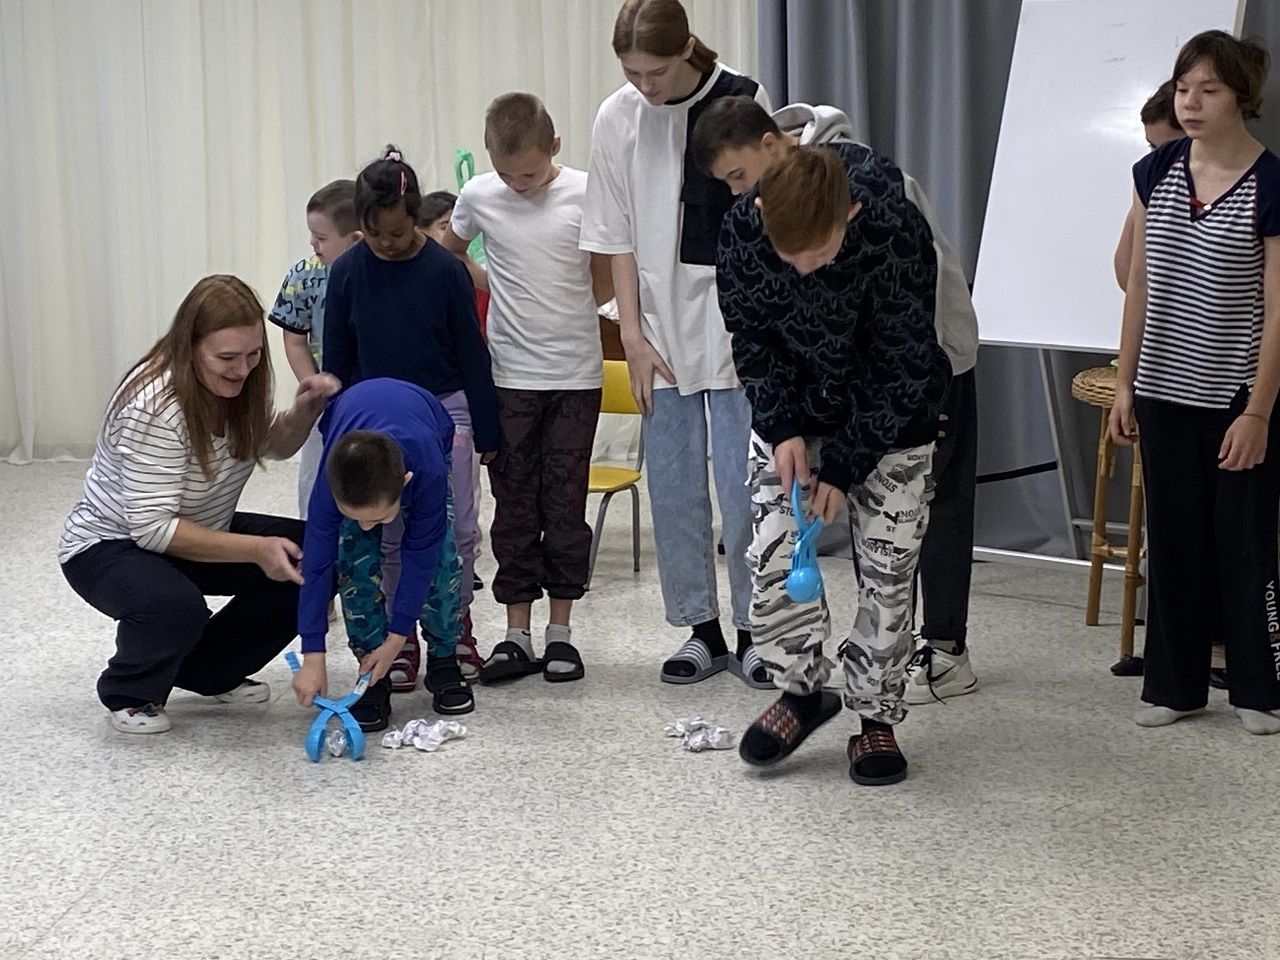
<point>1097,387</point>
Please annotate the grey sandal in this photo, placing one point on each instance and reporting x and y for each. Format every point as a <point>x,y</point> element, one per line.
<point>699,654</point>
<point>746,669</point>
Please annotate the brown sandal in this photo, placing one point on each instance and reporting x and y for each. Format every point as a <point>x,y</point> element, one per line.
<point>404,668</point>
<point>874,757</point>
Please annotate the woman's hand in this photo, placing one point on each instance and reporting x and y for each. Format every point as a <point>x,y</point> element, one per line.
<point>1121,424</point>
<point>1245,444</point>
<point>379,662</point>
<point>280,558</point>
<point>311,680</point>
<point>313,393</point>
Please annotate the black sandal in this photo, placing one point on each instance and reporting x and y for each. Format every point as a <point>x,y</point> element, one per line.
<point>560,652</point>
<point>516,665</point>
<point>450,694</point>
<point>780,729</point>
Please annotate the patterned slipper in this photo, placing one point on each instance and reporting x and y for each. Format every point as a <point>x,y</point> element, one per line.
<point>780,729</point>
<point>704,663</point>
<point>874,757</point>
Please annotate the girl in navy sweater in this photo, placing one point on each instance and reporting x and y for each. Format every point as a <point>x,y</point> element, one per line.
<point>399,305</point>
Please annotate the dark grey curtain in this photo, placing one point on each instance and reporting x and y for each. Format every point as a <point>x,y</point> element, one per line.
<point>925,84</point>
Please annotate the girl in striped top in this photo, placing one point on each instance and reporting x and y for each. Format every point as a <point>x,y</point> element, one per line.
<point>157,528</point>
<point>1198,375</point>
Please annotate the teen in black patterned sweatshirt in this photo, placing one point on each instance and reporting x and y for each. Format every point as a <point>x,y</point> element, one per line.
<point>826,277</point>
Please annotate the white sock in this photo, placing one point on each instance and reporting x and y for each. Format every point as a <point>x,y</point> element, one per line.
<point>1161,716</point>
<point>515,635</point>
<point>558,632</point>
<point>1259,722</point>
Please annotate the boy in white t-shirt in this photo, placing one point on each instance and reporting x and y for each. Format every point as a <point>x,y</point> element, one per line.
<point>544,339</point>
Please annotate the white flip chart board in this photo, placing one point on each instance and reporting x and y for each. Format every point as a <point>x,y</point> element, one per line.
<point>1062,180</point>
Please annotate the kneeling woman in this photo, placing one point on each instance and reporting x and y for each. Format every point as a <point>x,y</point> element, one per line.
<point>157,528</point>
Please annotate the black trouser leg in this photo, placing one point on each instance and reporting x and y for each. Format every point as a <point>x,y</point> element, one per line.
<point>946,558</point>
<point>166,637</point>
<point>160,616</point>
<point>259,620</point>
<point>1245,522</point>
<point>1184,599</point>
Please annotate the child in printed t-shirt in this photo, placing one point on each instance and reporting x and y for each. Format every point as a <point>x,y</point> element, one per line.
<point>399,305</point>
<point>548,369</point>
<point>299,307</point>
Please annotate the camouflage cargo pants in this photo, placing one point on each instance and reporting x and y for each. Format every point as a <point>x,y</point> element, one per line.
<point>888,513</point>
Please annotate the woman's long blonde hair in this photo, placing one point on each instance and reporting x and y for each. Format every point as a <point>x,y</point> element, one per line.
<point>215,303</point>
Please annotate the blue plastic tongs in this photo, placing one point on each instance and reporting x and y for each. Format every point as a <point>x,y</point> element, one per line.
<point>339,710</point>
<point>804,582</point>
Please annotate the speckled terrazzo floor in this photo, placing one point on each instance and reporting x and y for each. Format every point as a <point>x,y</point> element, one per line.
<point>1038,823</point>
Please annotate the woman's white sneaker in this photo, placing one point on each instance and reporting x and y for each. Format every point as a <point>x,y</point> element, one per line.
<point>145,719</point>
<point>251,691</point>
<point>934,674</point>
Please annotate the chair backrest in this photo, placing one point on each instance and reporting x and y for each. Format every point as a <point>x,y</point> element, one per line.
<point>616,396</point>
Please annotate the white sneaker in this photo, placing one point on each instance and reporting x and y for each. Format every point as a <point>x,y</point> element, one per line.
<point>148,719</point>
<point>934,674</point>
<point>251,691</point>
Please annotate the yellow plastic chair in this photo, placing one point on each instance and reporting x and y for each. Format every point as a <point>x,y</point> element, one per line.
<point>610,480</point>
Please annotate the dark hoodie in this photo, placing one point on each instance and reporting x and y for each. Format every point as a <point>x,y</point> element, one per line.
<point>848,352</point>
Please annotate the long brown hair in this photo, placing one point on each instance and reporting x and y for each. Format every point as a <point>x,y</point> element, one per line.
<point>215,303</point>
<point>659,28</point>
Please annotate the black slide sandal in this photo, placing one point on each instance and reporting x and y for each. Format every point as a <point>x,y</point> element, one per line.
<point>516,665</point>
<point>560,652</point>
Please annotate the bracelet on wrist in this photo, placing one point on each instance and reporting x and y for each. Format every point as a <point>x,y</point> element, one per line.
<point>1266,420</point>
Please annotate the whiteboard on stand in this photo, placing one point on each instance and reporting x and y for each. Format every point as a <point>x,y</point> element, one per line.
<point>1062,181</point>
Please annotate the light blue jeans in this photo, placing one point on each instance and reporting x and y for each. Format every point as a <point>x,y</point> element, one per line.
<point>680,497</point>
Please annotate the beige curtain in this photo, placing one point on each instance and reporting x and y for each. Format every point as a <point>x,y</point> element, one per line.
<point>146,143</point>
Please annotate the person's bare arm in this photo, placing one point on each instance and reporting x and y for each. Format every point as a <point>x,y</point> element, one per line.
<point>1245,443</point>
<point>289,428</point>
<point>458,247</point>
<point>643,361</point>
<point>601,278</point>
<point>298,352</point>
<point>277,556</point>
<point>1123,427</point>
<point>1123,258</point>
<point>1267,383</point>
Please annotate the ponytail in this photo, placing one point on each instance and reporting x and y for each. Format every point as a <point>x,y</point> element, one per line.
<point>384,183</point>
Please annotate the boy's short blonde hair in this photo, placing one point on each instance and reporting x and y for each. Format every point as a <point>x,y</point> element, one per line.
<point>803,198</point>
<point>515,122</point>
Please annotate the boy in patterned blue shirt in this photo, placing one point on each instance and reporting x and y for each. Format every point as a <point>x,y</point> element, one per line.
<point>299,307</point>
